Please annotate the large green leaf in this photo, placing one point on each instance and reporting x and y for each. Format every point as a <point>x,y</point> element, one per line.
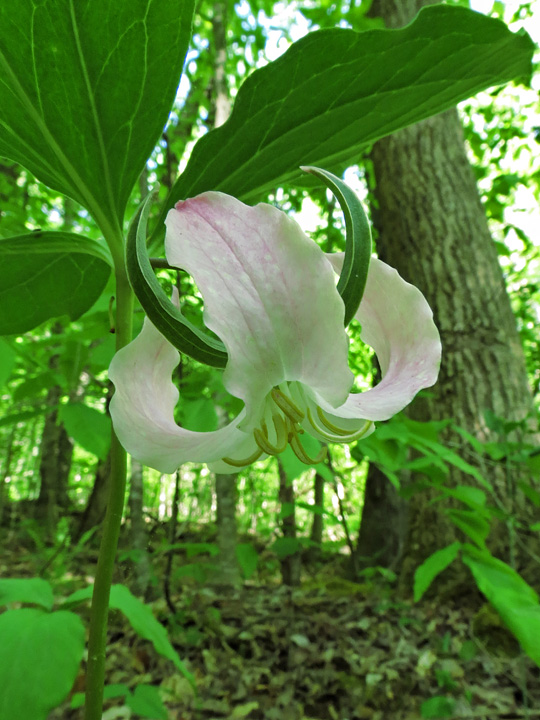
<point>40,655</point>
<point>515,601</point>
<point>48,274</point>
<point>336,91</point>
<point>85,90</point>
<point>87,426</point>
<point>26,590</point>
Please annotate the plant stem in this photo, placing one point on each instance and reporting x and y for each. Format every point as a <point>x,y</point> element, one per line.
<point>97,643</point>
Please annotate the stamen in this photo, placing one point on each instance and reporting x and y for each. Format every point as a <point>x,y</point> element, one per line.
<point>330,425</point>
<point>302,455</point>
<point>242,463</point>
<point>282,435</point>
<point>285,404</point>
<point>342,435</point>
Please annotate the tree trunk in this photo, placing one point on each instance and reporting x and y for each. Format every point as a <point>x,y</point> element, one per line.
<point>220,100</point>
<point>317,522</point>
<point>6,473</point>
<point>97,503</point>
<point>433,230</point>
<point>229,572</point>
<point>56,450</point>
<point>383,524</point>
<point>138,536</point>
<point>290,564</point>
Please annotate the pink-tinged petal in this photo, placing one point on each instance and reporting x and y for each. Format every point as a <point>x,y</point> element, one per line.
<point>397,323</point>
<point>269,293</point>
<point>142,410</point>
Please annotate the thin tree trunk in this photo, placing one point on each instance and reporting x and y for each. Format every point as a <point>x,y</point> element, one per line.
<point>97,502</point>
<point>6,472</point>
<point>432,228</point>
<point>229,571</point>
<point>56,450</point>
<point>290,564</point>
<point>173,524</point>
<point>138,535</point>
<point>317,523</point>
<point>220,99</point>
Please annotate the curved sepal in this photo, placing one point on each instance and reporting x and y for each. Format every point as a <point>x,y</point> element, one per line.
<point>352,280</point>
<point>165,316</point>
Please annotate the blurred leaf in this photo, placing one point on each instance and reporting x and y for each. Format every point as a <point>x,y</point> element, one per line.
<point>433,566</point>
<point>285,546</point>
<point>199,415</point>
<point>7,361</point>
<point>26,590</point>
<point>88,427</point>
<point>248,559</point>
<point>40,656</point>
<point>472,524</point>
<point>109,691</point>
<point>438,707</point>
<point>147,703</point>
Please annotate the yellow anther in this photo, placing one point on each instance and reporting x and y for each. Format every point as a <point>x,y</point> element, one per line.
<point>242,463</point>
<point>285,404</point>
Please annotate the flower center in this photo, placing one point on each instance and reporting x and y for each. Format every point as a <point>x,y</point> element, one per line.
<point>280,426</point>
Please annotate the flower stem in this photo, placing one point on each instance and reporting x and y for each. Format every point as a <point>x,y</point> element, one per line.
<point>97,643</point>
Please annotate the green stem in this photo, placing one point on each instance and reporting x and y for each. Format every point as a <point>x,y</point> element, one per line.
<point>97,643</point>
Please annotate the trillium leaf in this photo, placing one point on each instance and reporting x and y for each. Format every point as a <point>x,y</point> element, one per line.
<point>352,280</point>
<point>44,275</point>
<point>85,90</point>
<point>39,660</point>
<point>165,316</point>
<point>379,81</point>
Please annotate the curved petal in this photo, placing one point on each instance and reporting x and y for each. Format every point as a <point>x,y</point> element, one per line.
<point>269,294</point>
<point>142,410</point>
<point>397,323</point>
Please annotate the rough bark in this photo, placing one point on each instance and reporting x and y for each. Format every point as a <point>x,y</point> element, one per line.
<point>432,228</point>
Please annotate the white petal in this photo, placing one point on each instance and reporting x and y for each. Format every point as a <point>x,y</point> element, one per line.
<point>142,410</point>
<point>269,294</point>
<point>397,323</point>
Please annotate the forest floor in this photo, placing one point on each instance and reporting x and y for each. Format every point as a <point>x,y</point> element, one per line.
<point>327,650</point>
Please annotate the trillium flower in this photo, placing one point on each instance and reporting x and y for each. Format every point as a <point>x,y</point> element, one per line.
<point>270,295</point>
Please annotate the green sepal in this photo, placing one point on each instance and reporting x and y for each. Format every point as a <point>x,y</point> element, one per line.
<point>352,281</point>
<point>166,317</point>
